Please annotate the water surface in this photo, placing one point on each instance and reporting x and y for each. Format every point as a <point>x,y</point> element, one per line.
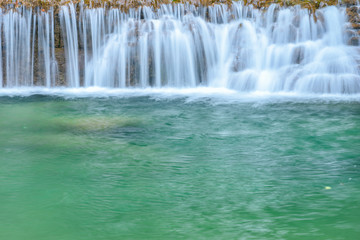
<point>185,167</point>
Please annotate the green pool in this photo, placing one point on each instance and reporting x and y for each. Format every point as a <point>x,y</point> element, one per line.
<point>184,167</point>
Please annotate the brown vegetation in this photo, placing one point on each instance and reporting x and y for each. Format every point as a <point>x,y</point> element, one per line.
<point>127,4</point>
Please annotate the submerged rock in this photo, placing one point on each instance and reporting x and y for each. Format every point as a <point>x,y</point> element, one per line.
<point>94,123</point>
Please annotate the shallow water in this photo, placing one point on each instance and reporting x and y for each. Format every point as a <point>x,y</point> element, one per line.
<point>195,166</point>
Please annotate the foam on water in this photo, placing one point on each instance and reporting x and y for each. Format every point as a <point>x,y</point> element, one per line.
<point>215,95</point>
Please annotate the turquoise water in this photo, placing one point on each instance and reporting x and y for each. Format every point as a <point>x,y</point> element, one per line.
<point>150,167</point>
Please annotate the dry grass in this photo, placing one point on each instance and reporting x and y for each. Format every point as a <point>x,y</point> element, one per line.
<point>312,5</point>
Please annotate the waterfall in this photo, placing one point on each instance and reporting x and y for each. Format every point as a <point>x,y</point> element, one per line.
<point>69,30</point>
<point>181,45</point>
<point>19,51</point>
<point>46,47</point>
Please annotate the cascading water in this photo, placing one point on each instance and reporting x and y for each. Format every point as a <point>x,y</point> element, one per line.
<point>17,58</point>
<point>246,49</point>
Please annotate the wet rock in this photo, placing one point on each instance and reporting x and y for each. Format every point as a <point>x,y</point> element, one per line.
<point>59,43</point>
<point>353,15</point>
<point>238,65</point>
<point>355,25</point>
<point>320,17</point>
<point>349,33</point>
<point>353,30</point>
<point>349,3</point>
<point>298,55</point>
<point>60,58</point>
<point>354,41</point>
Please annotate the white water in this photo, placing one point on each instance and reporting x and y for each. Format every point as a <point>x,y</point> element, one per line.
<point>206,94</point>
<point>19,30</point>
<point>180,46</point>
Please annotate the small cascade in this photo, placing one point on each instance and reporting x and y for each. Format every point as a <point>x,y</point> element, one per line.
<point>23,59</point>
<point>69,28</point>
<point>46,48</point>
<point>293,52</point>
<point>180,45</point>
